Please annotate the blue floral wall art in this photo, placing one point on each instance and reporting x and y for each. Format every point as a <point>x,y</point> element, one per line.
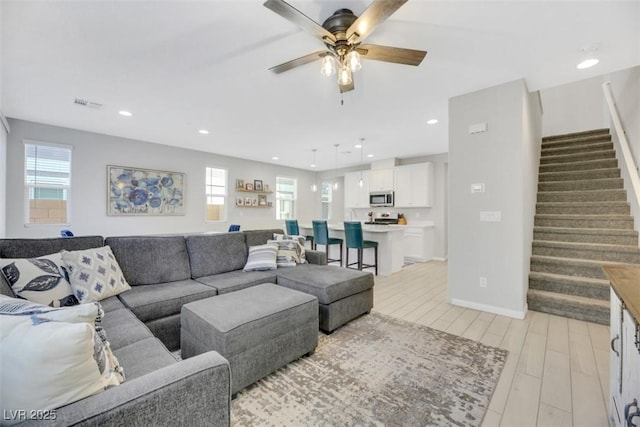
<point>135,191</point>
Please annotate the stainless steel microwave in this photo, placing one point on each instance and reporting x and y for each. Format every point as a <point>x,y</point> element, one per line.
<point>380,198</point>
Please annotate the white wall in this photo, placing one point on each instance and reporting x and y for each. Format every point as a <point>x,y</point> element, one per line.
<point>3,180</point>
<point>93,152</point>
<point>574,107</point>
<point>499,158</point>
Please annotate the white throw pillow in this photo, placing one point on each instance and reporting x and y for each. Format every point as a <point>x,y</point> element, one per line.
<point>262,257</point>
<point>94,274</point>
<point>288,252</point>
<point>42,280</point>
<point>52,357</point>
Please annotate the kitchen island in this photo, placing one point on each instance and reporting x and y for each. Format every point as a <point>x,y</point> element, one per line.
<point>390,245</point>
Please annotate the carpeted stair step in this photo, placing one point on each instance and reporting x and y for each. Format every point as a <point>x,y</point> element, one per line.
<point>576,148</point>
<point>576,135</point>
<point>621,222</point>
<point>580,165</point>
<point>570,158</point>
<point>581,185</point>
<point>570,285</point>
<point>578,175</point>
<point>576,142</point>
<point>583,208</point>
<point>583,196</point>
<point>593,251</point>
<point>575,307</point>
<point>570,266</point>
<point>586,235</point>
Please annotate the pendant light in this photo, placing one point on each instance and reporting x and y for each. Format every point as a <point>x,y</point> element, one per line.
<point>335,184</point>
<point>314,187</point>
<point>361,182</point>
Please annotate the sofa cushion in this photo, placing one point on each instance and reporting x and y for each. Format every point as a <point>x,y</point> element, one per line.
<point>124,328</point>
<point>147,260</point>
<point>94,274</point>
<point>236,280</point>
<point>143,357</point>
<point>42,280</point>
<point>150,302</point>
<point>32,248</point>
<point>260,237</point>
<point>52,357</point>
<point>216,253</point>
<point>327,283</point>
<point>262,257</point>
<point>111,303</point>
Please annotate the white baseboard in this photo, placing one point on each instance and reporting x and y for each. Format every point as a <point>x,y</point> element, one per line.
<point>437,258</point>
<point>491,309</point>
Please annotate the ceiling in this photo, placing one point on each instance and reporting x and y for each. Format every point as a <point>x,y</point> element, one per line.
<point>182,66</point>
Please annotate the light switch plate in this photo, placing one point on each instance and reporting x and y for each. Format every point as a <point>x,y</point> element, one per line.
<point>478,128</point>
<point>490,216</point>
<point>477,187</point>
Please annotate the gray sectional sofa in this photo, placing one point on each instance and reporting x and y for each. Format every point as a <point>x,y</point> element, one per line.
<point>143,324</point>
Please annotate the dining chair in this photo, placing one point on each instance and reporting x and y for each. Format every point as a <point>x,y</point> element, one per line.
<point>293,230</point>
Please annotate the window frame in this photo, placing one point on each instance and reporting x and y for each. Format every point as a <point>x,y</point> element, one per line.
<point>293,199</point>
<point>224,196</point>
<point>32,188</point>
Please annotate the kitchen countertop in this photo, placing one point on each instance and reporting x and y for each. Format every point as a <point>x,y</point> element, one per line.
<point>625,281</point>
<point>373,228</point>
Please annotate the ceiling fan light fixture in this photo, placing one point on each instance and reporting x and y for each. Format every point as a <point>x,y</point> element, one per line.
<point>353,61</point>
<point>344,77</point>
<point>328,66</point>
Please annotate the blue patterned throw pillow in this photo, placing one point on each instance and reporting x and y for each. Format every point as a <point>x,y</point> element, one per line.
<point>94,274</point>
<point>42,280</point>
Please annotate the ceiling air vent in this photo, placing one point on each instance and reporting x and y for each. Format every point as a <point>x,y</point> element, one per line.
<point>89,104</point>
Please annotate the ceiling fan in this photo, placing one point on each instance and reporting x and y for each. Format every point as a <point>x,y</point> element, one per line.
<point>343,34</point>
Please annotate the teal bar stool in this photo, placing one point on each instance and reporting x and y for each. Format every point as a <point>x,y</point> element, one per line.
<point>321,237</point>
<point>353,235</point>
<point>293,230</point>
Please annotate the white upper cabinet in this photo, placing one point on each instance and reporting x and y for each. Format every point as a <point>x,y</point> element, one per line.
<point>356,196</point>
<point>413,185</point>
<point>381,180</point>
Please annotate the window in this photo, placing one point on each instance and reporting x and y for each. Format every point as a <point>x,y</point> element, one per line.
<point>47,182</point>
<point>285,198</point>
<point>325,199</point>
<point>216,191</point>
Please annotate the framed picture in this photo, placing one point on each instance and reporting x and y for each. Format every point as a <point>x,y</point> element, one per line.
<point>262,200</point>
<point>255,202</point>
<point>257,184</point>
<point>247,201</point>
<point>145,192</point>
<point>248,186</point>
<point>266,188</point>
<point>239,201</point>
<point>239,184</point>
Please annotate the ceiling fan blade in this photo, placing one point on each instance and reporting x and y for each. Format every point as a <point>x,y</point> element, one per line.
<point>299,61</point>
<point>397,55</point>
<point>376,13</point>
<point>292,14</point>
<point>347,88</point>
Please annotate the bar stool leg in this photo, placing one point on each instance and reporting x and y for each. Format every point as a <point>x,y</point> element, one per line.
<point>340,254</point>
<point>360,256</point>
<point>375,249</point>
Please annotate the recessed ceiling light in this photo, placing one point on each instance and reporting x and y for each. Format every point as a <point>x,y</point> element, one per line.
<point>275,158</point>
<point>125,113</point>
<point>204,131</point>
<point>369,155</point>
<point>358,145</point>
<point>587,63</point>
<point>313,165</point>
<point>432,121</point>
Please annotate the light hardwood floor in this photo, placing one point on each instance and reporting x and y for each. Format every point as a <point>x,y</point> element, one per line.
<point>557,371</point>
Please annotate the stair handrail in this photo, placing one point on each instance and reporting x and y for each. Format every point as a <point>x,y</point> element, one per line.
<point>627,156</point>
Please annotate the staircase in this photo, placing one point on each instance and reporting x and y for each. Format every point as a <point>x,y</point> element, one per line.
<point>582,222</point>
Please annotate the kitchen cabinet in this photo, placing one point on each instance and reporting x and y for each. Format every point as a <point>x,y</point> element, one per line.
<point>413,185</point>
<point>356,196</point>
<point>418,242</point>
<point>625,345</point>
<point>381,180</point>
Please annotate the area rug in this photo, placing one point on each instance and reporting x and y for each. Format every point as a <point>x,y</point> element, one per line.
<point>378,370</point>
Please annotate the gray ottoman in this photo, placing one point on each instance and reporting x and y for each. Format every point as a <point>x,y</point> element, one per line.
<point>343,294</point>
<point>258,330</point>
